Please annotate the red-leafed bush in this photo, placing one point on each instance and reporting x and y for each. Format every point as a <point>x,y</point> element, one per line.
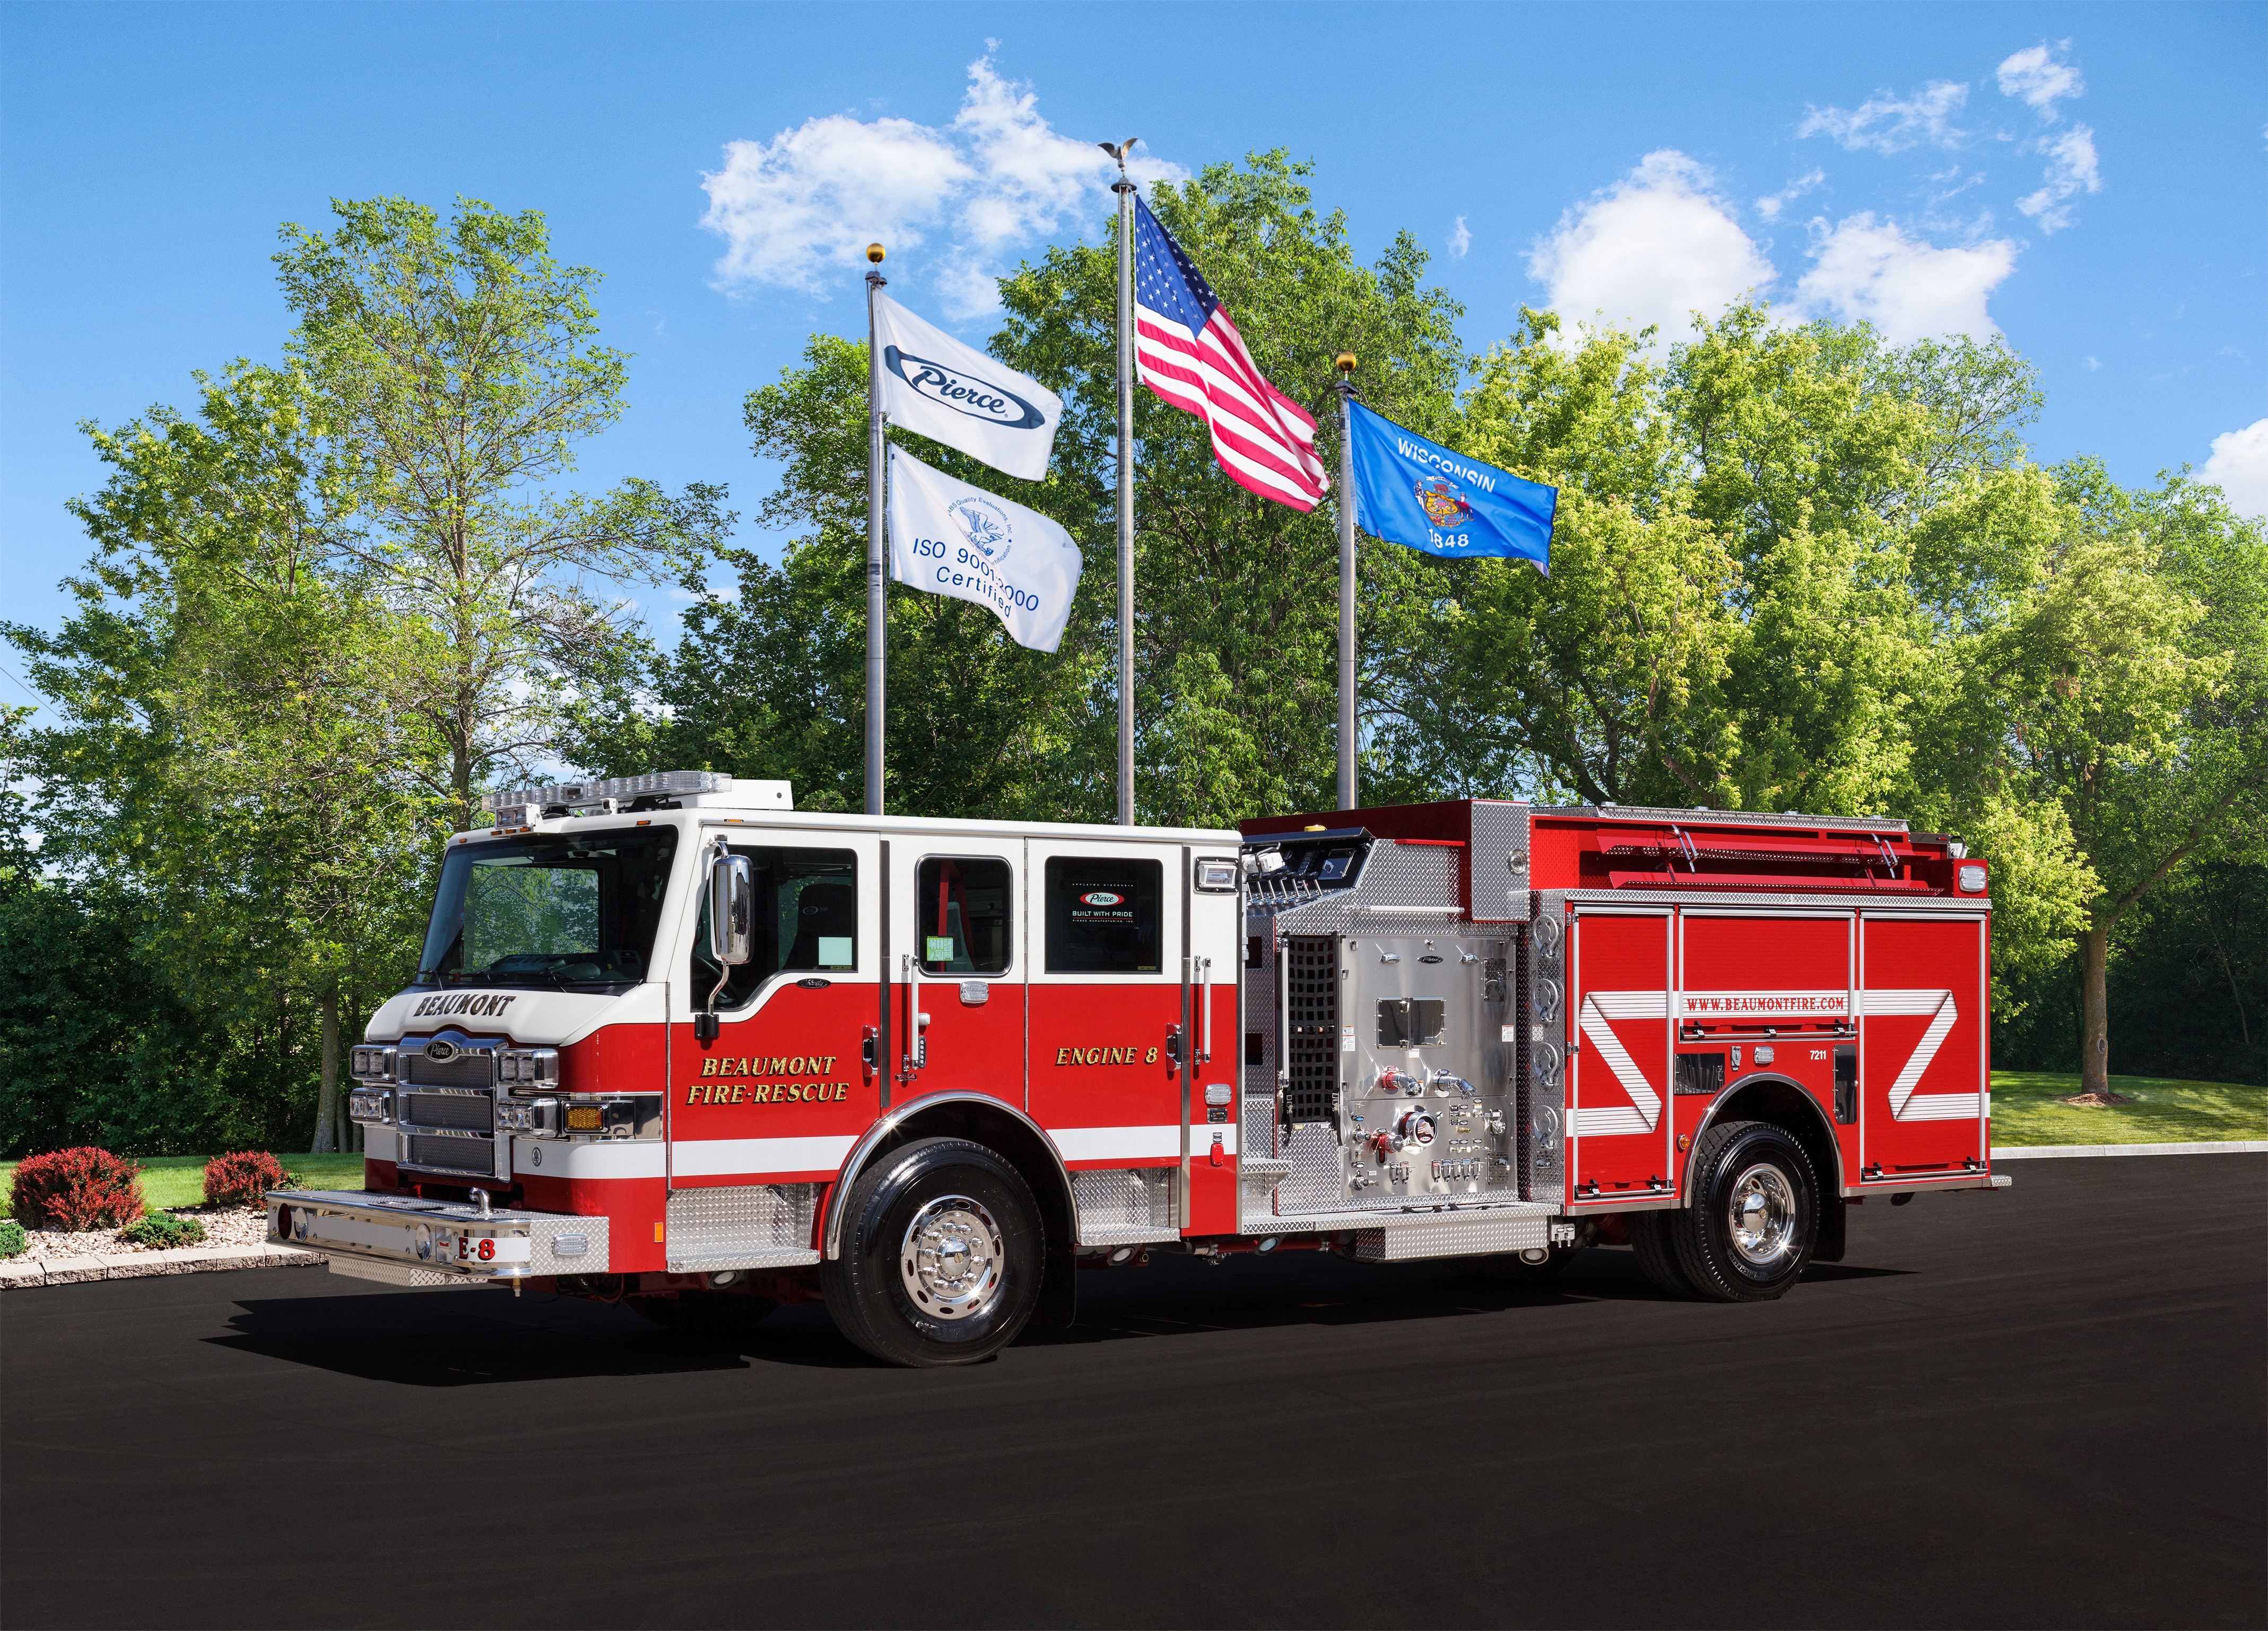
<point>77,1189</point>
<point>243,1178</point>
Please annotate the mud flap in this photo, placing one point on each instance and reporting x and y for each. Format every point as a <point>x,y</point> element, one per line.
<point>1833,1213</point>
<point>1058,1290</point>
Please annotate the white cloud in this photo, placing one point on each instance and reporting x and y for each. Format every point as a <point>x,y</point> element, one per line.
<point>2239,467</point>
<point>1653,248</point>
<point>1884,124</point>
<point>1460,238</point>
<point>1770,207</point>
<point>2072,169</point>
<point>798,212</point>
<point>1874,271</point>
<point>2035,76</point>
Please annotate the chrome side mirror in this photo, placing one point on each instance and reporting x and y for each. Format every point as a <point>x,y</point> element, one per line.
<point>732,927</point>
<point>731,908</point>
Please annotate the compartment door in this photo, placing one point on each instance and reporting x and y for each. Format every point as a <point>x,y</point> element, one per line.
<point>958,956</point>
<point>1922,1058</point>
<point>1618,1054</point>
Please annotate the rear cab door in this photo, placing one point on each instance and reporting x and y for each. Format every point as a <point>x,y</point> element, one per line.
<point>958,957</point>
<point>1106,920</point>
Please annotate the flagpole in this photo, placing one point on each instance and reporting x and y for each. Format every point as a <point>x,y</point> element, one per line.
<point>877,607</point>
<point>1344,364</point>
<point>1125,189</point>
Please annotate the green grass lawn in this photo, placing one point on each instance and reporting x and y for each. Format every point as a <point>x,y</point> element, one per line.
<point>180,1180</point>
<point>2026,1110</point>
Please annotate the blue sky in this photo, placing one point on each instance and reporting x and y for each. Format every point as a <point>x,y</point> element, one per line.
<point>2087,179</point>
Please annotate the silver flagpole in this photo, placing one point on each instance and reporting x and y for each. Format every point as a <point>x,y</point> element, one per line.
<point>1347,742</point>
<point>877,607</point>
<point>1125,189</point>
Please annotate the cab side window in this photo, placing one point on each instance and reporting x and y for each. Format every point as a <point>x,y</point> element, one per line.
<point>1105,915</point>
<point>806,921</point>
<point>963,910</point>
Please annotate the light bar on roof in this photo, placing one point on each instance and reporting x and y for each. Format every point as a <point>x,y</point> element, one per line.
<point>622,788</point>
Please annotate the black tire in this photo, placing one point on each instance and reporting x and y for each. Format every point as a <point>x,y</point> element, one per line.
<point>1508,1268</point>
<point>968,1293</point>
<point>1761,1169</point>
<point>705,1313</point>
<point>1657,1258</point>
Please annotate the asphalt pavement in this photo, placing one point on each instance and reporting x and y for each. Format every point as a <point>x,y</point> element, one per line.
<point>2042,1407</point>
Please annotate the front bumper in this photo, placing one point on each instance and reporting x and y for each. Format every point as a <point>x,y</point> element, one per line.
<point>402,1240</point>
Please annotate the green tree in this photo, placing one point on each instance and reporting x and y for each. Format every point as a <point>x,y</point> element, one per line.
<point>2125,694</point>
<point>229,751</point>
<point>459,365</point>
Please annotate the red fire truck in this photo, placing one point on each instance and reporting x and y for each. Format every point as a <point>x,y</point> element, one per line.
<point>675,1043</point>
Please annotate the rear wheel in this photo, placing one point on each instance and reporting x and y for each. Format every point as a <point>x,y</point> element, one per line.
<point>1657,1256</point>
<point>1755,1217</point>
<point>943,1253</point>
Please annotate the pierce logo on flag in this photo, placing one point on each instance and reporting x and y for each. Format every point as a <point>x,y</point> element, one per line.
<point>938,387</point>
<point>964,394</point>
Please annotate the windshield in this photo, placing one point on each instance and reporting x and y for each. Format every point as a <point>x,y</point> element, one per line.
<point>550,911</point>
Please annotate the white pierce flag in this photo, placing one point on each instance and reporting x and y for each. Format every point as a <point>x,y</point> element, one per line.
<point>951,539</point>
<point>953,393</point>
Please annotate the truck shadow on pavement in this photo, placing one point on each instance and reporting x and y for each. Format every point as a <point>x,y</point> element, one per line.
<point>438,1340</point>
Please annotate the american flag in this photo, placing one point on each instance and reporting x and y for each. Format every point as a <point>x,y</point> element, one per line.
<point>1186,350</point>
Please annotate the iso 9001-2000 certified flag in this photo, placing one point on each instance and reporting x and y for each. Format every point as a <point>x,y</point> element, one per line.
<point>951,539</point>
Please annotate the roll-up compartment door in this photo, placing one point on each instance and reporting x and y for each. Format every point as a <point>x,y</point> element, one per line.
<point>1619,1048</point>
<point>1922,1059</point>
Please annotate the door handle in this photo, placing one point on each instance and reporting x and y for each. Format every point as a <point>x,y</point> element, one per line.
<point>1174,1046</point>
<point>1204,1009</point>
<point>916,1055</point>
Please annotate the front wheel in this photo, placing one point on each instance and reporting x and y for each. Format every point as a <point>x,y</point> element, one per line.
<point>1755,1217</point>
<point>943,1253</point>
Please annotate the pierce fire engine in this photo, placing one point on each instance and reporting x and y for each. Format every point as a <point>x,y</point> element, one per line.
<point>676,1043</point>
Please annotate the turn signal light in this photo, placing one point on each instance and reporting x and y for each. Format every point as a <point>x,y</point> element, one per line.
<point>583,1118</point>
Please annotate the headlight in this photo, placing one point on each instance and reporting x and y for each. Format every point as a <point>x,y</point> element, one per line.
<point>527,1067</point>
<point>538,1116</point>
<point>372,1064</point>
<point>371,1108</point>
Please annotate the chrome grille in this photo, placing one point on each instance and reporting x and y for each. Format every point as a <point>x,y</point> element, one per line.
<point>448,1110</point>
<point>468,1070</point>
<point>454,1155</point>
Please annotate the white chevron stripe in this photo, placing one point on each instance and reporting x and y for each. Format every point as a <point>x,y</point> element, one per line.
<point>1623,1005</point>
<point>1905,1104</point>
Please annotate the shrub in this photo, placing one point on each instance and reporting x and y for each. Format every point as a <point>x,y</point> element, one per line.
<point>78,1189</point>
<point>13,1237</point>
<point>163,1228</point>
<point>244,1177</point>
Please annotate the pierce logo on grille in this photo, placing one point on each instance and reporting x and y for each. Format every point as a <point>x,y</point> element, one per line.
<point>440,1053</point>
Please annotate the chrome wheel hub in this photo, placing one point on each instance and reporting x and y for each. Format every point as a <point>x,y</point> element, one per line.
<point>1761,1215</point>
<point>951,1257</point>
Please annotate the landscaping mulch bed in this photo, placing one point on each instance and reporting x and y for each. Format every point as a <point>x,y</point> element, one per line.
<point>237,1225</point>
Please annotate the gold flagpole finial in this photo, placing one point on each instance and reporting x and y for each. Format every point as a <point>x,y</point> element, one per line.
<point>874,253</point>
<point>1343,362</point>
